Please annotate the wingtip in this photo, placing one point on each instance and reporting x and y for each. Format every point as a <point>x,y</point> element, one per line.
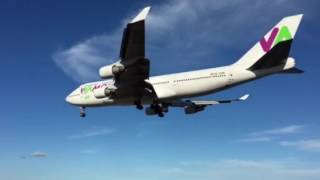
<point>244,97</point>
<point>142,15</point>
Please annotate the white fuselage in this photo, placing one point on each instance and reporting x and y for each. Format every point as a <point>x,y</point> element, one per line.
<point>173,86</point>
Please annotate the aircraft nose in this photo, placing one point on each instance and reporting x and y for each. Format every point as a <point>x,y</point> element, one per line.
<point>72,99</point>
<point>68,99</point>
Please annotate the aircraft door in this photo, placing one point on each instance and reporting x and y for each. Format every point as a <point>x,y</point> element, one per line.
<point>230,79</point>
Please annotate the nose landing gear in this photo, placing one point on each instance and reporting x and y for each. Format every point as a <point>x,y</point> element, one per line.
<point>82,112</point>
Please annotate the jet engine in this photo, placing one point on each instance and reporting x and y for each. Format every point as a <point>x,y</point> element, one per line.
<point>111,70</point>
<point>193,109</point>
<point>103,92</point>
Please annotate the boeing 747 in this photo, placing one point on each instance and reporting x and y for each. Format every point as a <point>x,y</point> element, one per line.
<point>127,81</point>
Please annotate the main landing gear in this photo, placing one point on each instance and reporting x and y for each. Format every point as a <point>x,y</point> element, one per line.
<point>138,105</point>
<point>157,109</point>
<point>82,112</point>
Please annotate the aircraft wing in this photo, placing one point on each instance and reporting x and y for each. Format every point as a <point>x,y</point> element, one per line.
<point>133,39</point>
<point>132,53</point>
<point>214,102</point>
<point>191,106</point>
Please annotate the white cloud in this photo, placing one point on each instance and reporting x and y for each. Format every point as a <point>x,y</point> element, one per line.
<point>89,151</point>
<point>312,145</point>
<point>308,145</point>
<point>272,134</point>
<point>23,157</point>
<point>82,60</point>
<point>235,169</point>
<point>292,129</point>
<point>179,31</point>
<point>256,139</point>
<point>276,170</point>
<point>39,154</point>
<point>93,132</point>
<point>173,170</point>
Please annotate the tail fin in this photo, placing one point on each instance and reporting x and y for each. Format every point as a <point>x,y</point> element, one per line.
<point>273,49</point>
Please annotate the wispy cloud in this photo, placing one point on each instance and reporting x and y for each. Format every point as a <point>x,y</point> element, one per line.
<point>272,134</point>
<point>234,169</point>
<point>256,139</point>
<point>39,154</point>
<point>307,145</point>
<point>89,151</point>
<point>185,29</point>
<point>22,157</point>
<point>82,60</point>
<point>93,132</point>
<point>292,129</point>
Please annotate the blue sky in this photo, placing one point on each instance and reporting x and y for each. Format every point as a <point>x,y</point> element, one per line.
<point>49,47</point>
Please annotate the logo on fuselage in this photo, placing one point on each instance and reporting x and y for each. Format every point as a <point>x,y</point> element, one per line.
<point>86,90</point>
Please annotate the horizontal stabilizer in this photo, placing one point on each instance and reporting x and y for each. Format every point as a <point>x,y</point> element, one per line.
<point>244,97</point>
<point>293,71</point>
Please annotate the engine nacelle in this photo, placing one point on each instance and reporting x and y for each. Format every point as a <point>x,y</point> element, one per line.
<point>111,70</point>
<point>193,109</point>
<point>103,92</point>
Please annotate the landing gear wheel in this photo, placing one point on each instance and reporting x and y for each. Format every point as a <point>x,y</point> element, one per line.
<point>138,105</point>
<point>160,114</point>
<point>82,112</point>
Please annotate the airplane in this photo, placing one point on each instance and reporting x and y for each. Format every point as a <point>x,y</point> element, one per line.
<point>127,82</point>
